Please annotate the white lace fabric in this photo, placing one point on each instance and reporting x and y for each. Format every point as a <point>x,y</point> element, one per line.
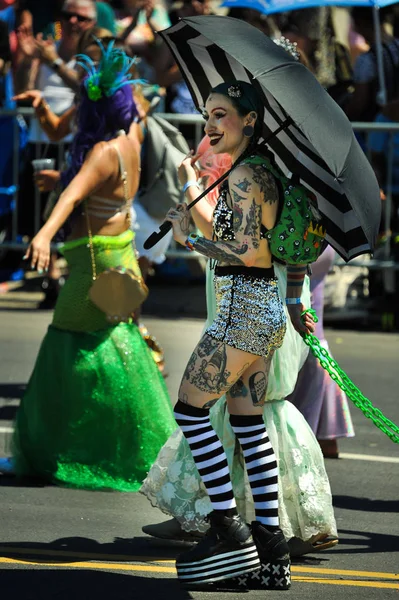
<point>305,504</point>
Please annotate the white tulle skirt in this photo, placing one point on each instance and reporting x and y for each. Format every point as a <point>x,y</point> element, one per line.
<point>305,504</point>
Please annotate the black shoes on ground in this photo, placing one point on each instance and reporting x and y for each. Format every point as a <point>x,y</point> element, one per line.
<point>227,551</point>
<point>236,558</point>
<point>275,569</point>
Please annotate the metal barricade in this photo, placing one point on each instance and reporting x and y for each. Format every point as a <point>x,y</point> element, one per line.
<point>196,120</point>
<point>40,151</point>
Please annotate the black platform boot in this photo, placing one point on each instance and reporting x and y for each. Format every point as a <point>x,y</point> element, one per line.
<point>275,570</point>
<point>227,550</point>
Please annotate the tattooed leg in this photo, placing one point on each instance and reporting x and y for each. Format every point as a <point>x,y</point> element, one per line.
<point>247,396</point>
<point>213,368</point>
<point>245,401</point>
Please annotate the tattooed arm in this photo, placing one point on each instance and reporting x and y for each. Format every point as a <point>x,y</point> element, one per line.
<point>246,199</point>
<point>295,278</point>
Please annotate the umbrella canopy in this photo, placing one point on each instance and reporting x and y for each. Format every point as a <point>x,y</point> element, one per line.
<point>318,146</point>
<point>269,7</point>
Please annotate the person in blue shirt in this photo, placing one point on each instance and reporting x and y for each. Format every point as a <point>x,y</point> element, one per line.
<point>378,144</point>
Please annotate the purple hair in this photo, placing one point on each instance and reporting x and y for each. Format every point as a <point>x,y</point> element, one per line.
<point>98,121</point>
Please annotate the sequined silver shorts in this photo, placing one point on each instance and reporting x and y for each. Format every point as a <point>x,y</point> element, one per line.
<point>249,312</point>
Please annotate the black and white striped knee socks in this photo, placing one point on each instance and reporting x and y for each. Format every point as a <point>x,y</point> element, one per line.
<point>208,455</point>
<point>261,466</point>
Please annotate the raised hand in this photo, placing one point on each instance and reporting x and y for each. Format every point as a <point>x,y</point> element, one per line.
<point>188,170</point>
<point>35,96</point>
<point>46,48</point>
<point>27,43</point>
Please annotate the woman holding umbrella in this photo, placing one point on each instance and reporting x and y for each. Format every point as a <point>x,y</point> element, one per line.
<point>234,354</point>
<point>265,96</point>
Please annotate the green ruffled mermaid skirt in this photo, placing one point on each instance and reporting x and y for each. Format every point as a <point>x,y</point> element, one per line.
<point>96,410</point>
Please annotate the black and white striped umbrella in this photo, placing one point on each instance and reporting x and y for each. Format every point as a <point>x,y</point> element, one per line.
<point>318,145</point>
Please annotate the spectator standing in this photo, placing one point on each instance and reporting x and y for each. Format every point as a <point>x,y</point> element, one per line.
<point>106,17</point>
<point>9,260</point>
<point>51,66</point>
<point>378,143</point>
<point>56,77</point>
<point>363,105</point>
<point>138,21</point>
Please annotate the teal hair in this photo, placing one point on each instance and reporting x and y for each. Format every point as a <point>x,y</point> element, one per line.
<point>110,74</point>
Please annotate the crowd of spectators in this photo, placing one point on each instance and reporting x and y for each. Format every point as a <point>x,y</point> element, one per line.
<point>39,42</point>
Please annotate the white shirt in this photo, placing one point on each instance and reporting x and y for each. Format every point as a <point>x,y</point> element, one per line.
<point>57,94</point>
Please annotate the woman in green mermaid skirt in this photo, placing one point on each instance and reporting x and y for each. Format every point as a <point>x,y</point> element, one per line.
<point>87,417</point>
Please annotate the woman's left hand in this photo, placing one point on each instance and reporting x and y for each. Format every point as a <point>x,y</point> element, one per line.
<point>307,325</point>
<point>180,219</point>
<point>39,252</point>
<point>188,171</point>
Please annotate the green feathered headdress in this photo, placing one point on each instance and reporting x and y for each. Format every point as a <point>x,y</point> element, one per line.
<point>110,74</point>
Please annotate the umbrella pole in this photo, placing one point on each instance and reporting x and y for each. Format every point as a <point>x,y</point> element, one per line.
<point>382,93</point>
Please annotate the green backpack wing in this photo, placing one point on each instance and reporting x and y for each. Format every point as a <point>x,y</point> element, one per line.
<point>298,234</point>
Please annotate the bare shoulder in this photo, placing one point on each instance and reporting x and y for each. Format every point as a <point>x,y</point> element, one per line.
<point>241,182</point>
<point>265,181</point>
<point>99,151</point>
<point>242,171</point>
<point>103,156</point>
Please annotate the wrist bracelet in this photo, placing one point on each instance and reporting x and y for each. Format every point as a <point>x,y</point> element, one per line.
<point>56,64</point>
<point>293,301</point>
<point>190,241</point>
<point>189,184</point>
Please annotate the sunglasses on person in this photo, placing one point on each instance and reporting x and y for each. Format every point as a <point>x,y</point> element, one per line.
<point>67,16</point>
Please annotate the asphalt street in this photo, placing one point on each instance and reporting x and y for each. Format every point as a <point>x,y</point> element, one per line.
<point>65,544</point>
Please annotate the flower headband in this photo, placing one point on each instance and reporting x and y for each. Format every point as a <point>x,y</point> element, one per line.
<point>288,46</point>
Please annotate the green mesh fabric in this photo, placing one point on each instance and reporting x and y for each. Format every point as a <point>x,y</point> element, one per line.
<point>298,234</point>
<point>74,310</point>
<point>96,410</point>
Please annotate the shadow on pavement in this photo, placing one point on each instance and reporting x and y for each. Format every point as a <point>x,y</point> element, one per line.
<point>365,542</point>
<point>76,549</point>
<point>67,584</point>
<point>11,391</point>
<point>121,550</point>
<point>366,504</point>
<point>22,482</point>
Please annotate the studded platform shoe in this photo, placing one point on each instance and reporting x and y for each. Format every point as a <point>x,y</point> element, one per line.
<point>227,550</point>
<point>275,569</point>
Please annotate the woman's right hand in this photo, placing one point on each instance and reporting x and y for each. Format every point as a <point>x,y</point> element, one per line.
<point>27,43</point>
<point>38,252</point>
<point>47,180</point>
<point>34,96</point>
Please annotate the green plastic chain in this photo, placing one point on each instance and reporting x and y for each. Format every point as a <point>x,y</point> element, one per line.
<point>353,393</point>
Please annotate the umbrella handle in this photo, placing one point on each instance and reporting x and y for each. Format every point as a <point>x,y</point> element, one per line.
<point>157,236</point>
